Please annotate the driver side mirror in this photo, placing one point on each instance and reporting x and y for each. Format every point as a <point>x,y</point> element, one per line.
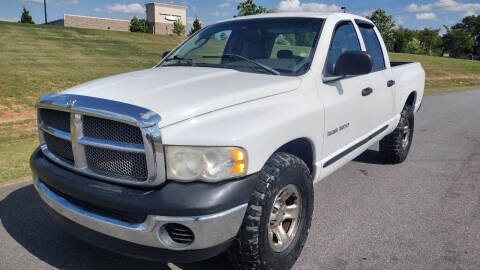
<point>351,63</point>
<point>165,54</point>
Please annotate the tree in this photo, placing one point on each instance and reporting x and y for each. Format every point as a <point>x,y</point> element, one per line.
<point>138,25</point>
<point>401,37</point>
<point>196,26</point>
<point>248,7</point>
<point>414,46</point>
<point>178,28</point>
<point>26,18</point>
<point>471,24</point>
<point>385,25</point>
<point>430,41</point>
<point>457,42</point>
<point>305,39</point>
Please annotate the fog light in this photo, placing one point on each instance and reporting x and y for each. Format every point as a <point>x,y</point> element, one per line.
<point>176,236</point>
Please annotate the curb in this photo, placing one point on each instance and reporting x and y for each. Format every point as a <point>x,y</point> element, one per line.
<point>9,183</point>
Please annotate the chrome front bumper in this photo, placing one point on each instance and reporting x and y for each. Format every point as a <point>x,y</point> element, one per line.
<point>208,230</point>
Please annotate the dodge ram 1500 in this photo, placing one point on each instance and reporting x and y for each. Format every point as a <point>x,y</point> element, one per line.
<point>217,147</point>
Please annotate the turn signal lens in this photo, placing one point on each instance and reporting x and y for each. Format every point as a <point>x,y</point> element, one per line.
<point>238,162</point>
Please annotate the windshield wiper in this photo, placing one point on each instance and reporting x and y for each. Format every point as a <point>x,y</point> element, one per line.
<point>227,55</point>
<point>176,57</point>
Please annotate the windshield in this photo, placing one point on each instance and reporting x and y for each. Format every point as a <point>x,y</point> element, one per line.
<point>277,46</point>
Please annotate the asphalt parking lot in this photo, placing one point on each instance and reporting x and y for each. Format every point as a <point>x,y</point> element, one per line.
<point>421,214</point>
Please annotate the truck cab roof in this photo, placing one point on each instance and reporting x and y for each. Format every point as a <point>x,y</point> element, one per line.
<point>320,15</point>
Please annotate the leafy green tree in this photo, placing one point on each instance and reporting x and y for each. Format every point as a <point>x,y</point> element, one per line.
<point>196,26</point>
<point>430,41</point>
<point>248,7</point>
<point>305,39</point>
<point>471,24</point>
<point>26,18</point>
<point>401,37</point>
<point>138,25</point>
<point>414,46</point>
<point>385,25</point>
<point>457,42</point>
<point>178,28</point>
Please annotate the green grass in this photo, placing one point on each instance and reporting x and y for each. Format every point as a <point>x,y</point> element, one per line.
<point>40,59</point>
<point>14,158</point>
<point>444,74</point>
<point>17,141</point>
<point>37,59</point>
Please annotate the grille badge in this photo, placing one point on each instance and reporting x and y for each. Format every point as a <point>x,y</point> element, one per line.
<point>71,102</point>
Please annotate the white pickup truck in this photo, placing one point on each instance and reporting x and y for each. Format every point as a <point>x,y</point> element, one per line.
<point>217,147</point>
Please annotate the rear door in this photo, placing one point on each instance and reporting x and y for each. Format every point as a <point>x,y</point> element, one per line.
<point>346,111</point>
<point>380,103</point>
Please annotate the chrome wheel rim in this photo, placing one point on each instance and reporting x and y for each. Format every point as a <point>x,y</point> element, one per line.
<point>284,218</point>
<point>406,135</point>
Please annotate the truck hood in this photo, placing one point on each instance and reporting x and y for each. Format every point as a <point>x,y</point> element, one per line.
<point>179,93</point>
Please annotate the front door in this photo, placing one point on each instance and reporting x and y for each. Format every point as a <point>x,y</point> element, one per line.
<point>346,112</point>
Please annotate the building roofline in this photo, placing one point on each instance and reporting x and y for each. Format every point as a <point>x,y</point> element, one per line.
<point>94,17</point>
<point>165,4</point>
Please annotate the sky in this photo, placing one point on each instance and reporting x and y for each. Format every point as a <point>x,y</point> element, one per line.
<point>413,14</point>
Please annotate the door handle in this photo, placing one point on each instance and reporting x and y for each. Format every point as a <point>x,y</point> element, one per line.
<point>390,83</point>
<point>367,91</point>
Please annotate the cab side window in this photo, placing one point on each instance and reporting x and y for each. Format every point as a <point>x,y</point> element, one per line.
<point>372,45</point>
<point>344,39</point>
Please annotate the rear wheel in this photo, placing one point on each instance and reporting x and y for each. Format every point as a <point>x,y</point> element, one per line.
<point>278,216</point>
<point>396,146</point>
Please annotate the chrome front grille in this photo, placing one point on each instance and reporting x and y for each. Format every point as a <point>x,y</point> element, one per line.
<point>55,119</point>
<point>59,147</point>
<point>105,129</point>
<point>100,140</point>
<point>117,163</point>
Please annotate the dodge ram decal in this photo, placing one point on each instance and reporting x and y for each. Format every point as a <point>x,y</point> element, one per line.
<point>340,128</point>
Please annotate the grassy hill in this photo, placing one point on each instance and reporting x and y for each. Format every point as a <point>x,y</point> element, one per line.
<point>444,74</point>
<point>37,59</point>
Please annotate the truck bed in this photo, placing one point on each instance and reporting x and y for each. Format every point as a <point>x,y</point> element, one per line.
<point>394,64</point>
<point>409,76</point>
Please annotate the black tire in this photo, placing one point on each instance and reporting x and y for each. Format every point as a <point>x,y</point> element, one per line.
<point>392,147</point>
<point>251,249</point>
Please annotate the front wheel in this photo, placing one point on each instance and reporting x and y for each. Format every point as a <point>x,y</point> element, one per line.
<point>278,216</point>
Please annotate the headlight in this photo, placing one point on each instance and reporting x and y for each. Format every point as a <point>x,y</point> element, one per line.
<point>211,164</point>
